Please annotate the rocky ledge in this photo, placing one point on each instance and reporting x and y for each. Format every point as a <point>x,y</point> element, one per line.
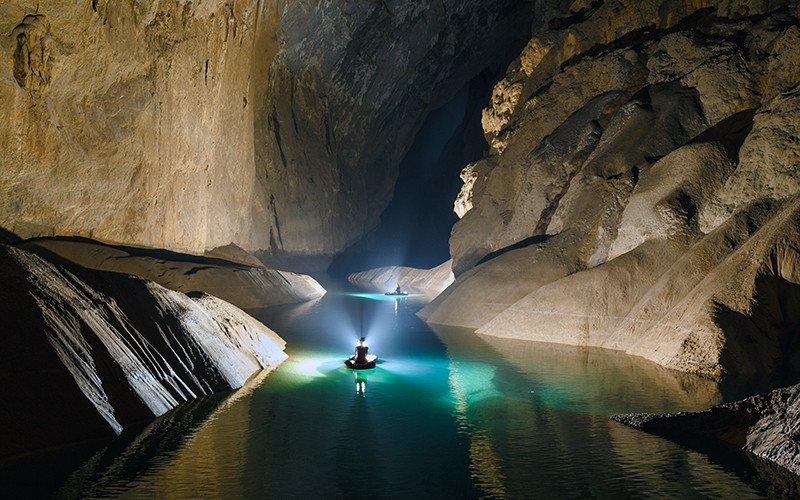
<point>87,353</point>
<point>228,273</point>
<point>767,425</point>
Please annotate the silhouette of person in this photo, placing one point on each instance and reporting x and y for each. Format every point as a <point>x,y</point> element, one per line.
<point>361,351</point>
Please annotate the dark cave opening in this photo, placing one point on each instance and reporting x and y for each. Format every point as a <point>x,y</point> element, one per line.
<point>414,230</point>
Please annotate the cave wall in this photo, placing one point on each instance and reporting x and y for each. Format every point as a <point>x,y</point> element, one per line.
<point>276,125</point>
<point>641,190</point>
<point>129,122</point>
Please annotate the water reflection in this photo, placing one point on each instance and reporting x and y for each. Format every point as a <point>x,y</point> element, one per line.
<point>360,378</point>
<point>449,415</point>
<point>586,379</point>
<point>542,410</point>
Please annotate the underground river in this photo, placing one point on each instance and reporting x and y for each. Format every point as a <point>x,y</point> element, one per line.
<point>445,414</point>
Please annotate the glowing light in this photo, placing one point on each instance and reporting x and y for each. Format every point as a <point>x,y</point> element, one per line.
<point>305,369</point>
<point>471,382</point>
<point>382,296</point>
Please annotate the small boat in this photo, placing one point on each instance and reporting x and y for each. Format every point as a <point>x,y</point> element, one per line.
<point>396,293</point>
<point>351,362</point>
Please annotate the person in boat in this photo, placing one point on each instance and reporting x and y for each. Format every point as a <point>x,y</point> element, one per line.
<point>397,290</point>
<point>361,352</point>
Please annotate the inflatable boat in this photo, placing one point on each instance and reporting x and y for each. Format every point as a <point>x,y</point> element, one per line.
<point>351,362</point>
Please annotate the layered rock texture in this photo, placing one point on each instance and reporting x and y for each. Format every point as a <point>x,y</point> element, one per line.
<point>88,353</point>
<point>246,283</point>
<point>425,281</point>
<point>274,125</point>
<point>767,425</point>
<point>641,191</point>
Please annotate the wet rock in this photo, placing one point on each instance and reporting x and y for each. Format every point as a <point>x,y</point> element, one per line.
<point>765,425</point>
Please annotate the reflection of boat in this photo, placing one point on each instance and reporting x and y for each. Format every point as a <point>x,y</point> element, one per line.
<point>370,363</point>
<point>396,293</point>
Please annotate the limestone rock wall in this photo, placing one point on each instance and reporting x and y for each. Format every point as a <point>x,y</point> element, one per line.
<point>275,125</point>
<point>129,122</point>
<point>641,189</point>
<point>592,104</point>
<point>88,353</point>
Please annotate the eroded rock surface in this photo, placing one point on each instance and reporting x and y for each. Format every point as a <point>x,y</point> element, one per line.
<point>641,189</point>
<point>88,353</point>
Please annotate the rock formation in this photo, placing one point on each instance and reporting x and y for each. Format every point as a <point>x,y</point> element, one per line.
<point>89,353</point>
<point>767,425</point>
<point>641,190</point>
<point>275,125</point>
<point>426,281</point>
<point>248,286</point>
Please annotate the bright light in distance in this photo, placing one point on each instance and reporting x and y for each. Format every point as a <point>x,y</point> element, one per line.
<point>380,296</point>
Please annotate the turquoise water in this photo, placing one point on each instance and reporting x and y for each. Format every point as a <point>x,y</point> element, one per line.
<point>446,414</point>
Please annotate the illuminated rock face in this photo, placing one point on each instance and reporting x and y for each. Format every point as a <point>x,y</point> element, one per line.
<point>641,192</point>
<point>89,353</point>
<point>276,126</point>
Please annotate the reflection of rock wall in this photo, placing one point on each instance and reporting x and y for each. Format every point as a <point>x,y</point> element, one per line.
<point>88,353</point>
<point>276,125</point>
<point>641,193</point>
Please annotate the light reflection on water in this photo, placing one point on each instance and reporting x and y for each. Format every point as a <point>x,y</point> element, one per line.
<point>446,414</point>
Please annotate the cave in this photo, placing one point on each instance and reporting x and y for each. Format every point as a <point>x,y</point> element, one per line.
<point>547,223</point>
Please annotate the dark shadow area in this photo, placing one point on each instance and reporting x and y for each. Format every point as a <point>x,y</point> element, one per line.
<point>533,240</point>
<point>730,132</point>
<point>154,253</point>
<point>8,238</point>
<point>89,468</point>
<point>701,433</point>
<point>415,228</point>
<point>765,342</point>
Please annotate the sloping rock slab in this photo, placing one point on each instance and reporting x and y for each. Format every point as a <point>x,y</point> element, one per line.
<point>87,354</point>
<point>767,425</point>
<point>247,286</point>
